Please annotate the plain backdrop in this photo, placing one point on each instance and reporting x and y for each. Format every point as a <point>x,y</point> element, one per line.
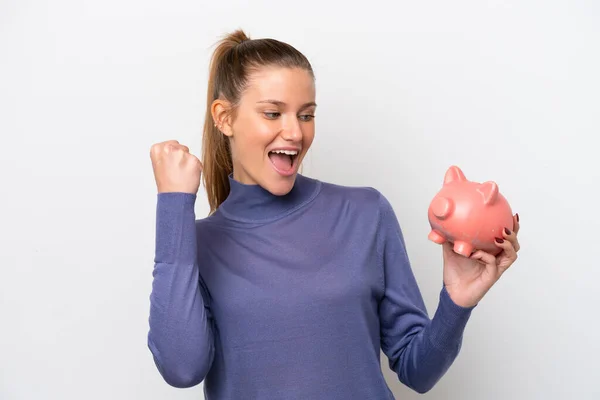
<point>507,90</point>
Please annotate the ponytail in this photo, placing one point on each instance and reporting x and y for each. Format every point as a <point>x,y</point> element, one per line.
<point>216,153</point>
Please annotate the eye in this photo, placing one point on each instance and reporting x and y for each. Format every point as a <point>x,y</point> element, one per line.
<point>271,115</point>
<point>306,117</point>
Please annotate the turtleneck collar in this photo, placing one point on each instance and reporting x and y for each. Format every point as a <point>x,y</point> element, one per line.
<point>253,203</point>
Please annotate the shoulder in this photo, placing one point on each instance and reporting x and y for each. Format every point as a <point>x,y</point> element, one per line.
<point>363,198</point>
<point>367,207</point>
<point>210,222</point>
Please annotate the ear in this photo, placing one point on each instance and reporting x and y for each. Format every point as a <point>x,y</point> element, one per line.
<point>220,110</point>
<point>454,174</point>
<point>489,190</point>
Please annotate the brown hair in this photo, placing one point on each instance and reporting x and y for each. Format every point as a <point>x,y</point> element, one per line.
<point>235,57</point>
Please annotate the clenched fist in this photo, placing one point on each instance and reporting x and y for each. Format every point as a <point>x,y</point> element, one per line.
<point>175,169</point>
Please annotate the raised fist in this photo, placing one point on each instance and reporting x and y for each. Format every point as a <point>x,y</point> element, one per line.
<point>175,169</point>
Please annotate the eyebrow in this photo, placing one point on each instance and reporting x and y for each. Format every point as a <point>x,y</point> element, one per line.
<point>282,104</point>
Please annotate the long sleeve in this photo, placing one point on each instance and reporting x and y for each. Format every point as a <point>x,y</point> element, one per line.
<point>420,350</point>
<point>180,336</point>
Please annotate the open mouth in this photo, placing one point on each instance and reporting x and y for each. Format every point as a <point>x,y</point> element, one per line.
<point>284,161</point>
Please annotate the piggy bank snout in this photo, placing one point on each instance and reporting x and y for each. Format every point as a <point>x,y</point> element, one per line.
<point>442,207</point>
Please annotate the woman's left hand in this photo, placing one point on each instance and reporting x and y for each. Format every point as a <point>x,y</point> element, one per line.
<point>468,279</point>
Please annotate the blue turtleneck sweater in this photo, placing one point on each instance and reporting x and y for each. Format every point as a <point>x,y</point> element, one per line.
<point>292,297</point>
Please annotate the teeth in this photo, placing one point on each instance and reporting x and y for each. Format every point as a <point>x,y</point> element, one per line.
<point>288,152</point>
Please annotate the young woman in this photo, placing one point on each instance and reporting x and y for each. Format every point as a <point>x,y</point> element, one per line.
<point>291,286</point>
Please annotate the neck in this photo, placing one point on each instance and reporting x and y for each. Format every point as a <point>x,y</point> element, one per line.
<point>253,203</point>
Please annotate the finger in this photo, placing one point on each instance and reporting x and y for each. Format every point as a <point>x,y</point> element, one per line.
<point>509,250</point>
<point>174,146</point>
<point>490,262</point>
<point>181,147</point>
<point>516,225</point>
<point>195,162</point>
<point>511,236</point>
<point>154,151</point>
<point>515,243</point>
<point>484,257</point>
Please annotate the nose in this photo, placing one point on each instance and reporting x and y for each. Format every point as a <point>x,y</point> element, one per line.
<point>291,130</point>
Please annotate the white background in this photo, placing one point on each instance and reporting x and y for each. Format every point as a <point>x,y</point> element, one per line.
<point>507,90</point>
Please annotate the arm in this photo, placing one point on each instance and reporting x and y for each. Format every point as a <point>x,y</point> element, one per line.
<point>420,349</point>
<point>180,336</point>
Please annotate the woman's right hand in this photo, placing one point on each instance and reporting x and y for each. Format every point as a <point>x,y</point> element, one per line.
<point>175,169</point>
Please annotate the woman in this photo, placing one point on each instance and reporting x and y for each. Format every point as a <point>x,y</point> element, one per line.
<point>290,288</point>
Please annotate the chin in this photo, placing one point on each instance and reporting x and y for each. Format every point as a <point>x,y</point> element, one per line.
<point>280,186</point>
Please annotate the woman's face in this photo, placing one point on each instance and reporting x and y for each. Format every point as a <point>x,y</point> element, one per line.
<point>273,128</point>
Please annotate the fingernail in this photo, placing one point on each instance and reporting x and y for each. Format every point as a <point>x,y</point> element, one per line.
<point>499,240</point>
<point>507,231</point>
<point>517,217</point>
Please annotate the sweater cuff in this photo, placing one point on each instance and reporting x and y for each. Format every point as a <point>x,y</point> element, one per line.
<point>448,323</point>
<point>175,228</point>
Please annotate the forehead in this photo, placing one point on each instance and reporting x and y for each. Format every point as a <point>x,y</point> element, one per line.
<point>289,85</point>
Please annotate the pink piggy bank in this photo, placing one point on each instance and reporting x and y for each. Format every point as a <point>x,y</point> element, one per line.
<point>468,214</point>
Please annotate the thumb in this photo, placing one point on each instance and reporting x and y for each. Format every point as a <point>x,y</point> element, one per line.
<point>484,257</point>
<point>490,263</point>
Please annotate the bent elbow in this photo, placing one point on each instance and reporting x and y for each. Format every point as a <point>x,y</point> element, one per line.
<point>182,379</point>
<point>183,373</point>
<point>420,383</point>
<point>423,388</point>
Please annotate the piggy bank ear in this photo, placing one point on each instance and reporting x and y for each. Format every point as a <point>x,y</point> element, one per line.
<point>454,174</point>
<point>489,190</point>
